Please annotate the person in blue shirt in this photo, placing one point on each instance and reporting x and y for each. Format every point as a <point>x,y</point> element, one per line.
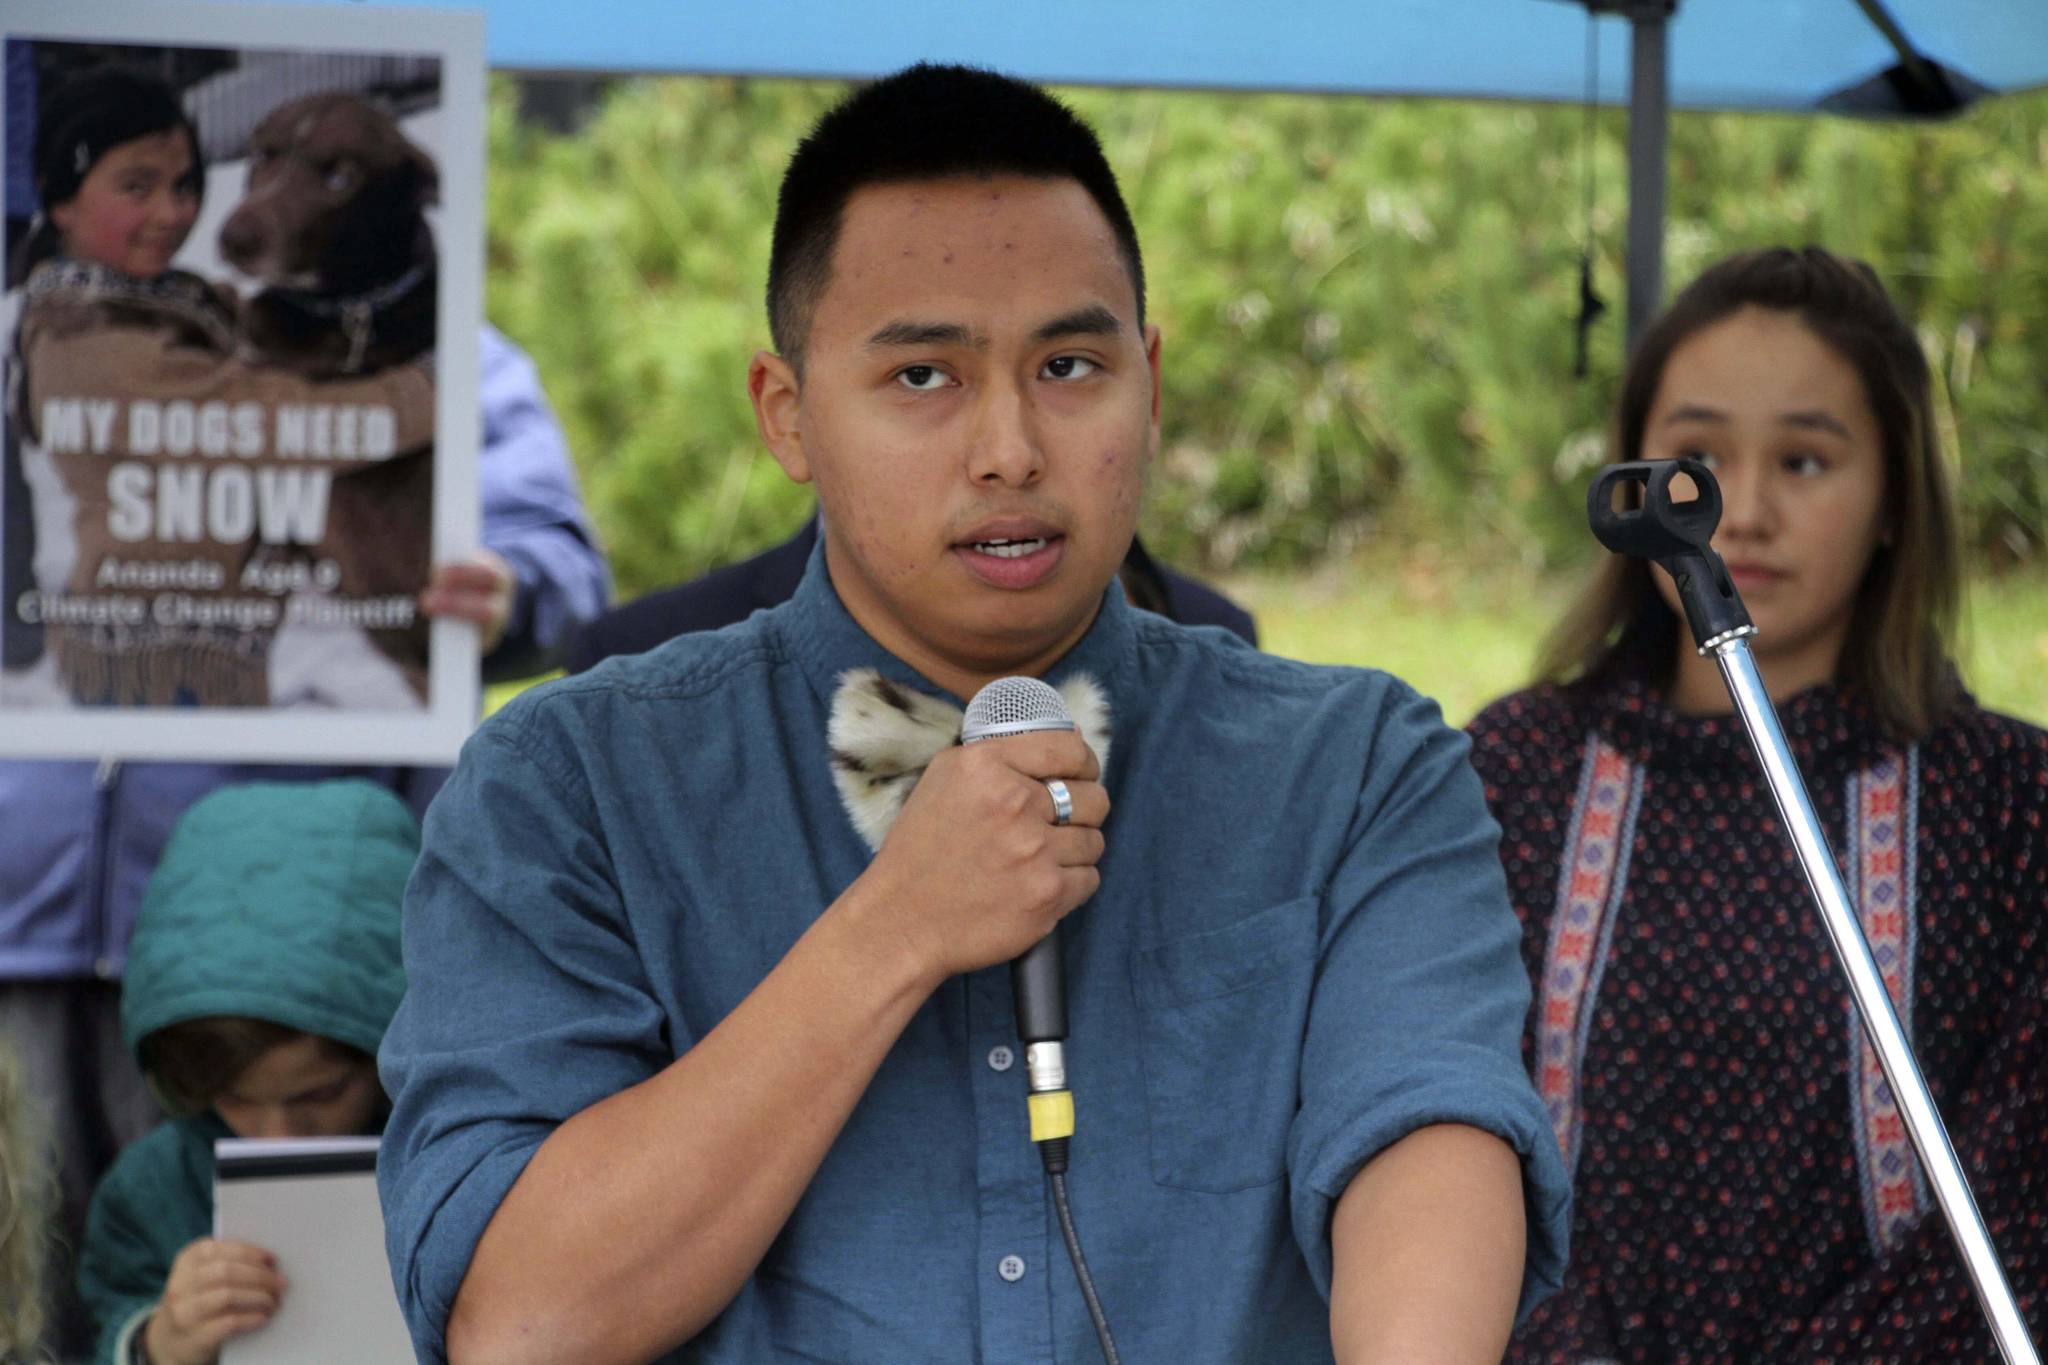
<point>708,1050</point>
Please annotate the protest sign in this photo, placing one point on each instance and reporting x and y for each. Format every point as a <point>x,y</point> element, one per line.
<point>241,424</point>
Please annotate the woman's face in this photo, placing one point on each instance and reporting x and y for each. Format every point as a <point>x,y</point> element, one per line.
<point>1782,420</point>
<point>135,206</point>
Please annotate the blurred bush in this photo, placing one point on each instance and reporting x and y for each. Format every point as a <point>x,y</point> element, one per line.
<point>1368,305</point>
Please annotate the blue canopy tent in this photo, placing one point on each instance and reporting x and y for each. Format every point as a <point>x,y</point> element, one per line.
<point>1916,58</point>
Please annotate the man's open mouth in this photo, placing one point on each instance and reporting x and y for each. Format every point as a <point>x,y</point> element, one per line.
<point>1009,549</point>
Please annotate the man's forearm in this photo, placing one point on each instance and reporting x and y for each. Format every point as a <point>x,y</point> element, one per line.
<point>640,1218</point>
<point>1427,1245</point>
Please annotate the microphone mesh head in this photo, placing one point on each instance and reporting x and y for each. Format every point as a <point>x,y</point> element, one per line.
<point>1013,706</point>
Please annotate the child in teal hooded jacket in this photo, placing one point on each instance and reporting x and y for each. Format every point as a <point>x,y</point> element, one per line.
<point>264,970</point>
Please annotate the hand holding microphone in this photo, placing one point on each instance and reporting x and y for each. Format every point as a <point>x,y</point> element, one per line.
<point>1038,984</point>
<point>1038,979</point>
<point>1022,783</point>
<point>976,862</point>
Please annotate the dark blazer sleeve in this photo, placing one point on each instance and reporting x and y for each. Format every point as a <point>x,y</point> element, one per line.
<point>1195,604</point>
<point>718,599</point>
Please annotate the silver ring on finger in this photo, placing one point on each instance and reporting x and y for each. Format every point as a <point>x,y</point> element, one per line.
<point>1062,800</point>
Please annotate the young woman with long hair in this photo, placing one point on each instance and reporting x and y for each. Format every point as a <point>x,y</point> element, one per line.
<point>1744,1187</point>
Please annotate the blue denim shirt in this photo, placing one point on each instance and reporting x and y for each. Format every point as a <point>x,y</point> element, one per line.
<point>1302,950</point>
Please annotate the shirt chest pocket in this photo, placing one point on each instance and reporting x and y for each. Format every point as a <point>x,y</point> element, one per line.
<point>1221,1020</point>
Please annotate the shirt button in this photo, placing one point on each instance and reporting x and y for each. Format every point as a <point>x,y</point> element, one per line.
<point>1011,1268</point>
<point>1001,1058</point>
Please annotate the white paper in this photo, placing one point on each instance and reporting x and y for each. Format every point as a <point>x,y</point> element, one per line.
<point>327,1232</point>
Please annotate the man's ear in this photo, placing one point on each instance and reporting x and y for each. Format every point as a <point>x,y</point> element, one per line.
<point>1152,363</point>
<point>777,395</point>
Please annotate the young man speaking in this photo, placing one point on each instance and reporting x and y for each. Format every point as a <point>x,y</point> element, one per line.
<point>709,1051</point>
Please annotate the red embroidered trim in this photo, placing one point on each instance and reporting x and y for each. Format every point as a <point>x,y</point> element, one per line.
<point>1881,806</point>
<point>1572,961</point>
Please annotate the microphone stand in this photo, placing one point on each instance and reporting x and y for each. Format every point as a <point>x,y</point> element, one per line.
<point>1676,535</point>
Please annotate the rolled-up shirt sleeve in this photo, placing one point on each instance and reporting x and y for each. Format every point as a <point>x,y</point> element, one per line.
<point>526,1003</point>
<point>1420,994</point>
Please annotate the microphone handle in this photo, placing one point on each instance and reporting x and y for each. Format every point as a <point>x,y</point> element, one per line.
<point>1038,987</point>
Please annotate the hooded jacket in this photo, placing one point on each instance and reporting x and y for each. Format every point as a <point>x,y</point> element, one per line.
<point>274,901</point>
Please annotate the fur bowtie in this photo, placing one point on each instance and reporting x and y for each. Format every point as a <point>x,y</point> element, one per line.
<point>884,736</point>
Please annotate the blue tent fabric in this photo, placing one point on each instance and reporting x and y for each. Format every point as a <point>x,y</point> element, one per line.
<point>1725,54</point>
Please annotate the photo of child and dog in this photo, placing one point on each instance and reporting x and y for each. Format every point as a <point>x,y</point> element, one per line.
<point>220,398</point>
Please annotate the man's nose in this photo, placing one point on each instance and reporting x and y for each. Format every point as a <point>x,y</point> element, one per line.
<point>1006,449</point>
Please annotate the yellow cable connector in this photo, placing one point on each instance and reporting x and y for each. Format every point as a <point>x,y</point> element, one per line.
<point>1052,1114</point>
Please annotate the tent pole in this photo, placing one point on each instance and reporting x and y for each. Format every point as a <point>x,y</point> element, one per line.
<point>1649,106</point>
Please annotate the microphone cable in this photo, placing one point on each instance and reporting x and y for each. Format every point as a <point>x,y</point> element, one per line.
<point>1052,1151</point>
<point>1052,1129</point>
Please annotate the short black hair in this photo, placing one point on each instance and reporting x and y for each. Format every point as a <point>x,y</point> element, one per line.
<point>926,122</point>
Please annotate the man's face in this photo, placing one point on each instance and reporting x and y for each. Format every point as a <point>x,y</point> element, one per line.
<point>977,410</point>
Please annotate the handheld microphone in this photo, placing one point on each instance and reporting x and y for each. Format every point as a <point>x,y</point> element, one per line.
<point>1015,706</point>
<point>1038,986</point>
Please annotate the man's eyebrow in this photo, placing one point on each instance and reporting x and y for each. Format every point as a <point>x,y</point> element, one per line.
<point>1092,321</point>
<point>906,332</point>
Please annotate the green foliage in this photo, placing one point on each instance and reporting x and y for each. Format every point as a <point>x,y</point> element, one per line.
<point>630,260</point>
<point>1367,305</point>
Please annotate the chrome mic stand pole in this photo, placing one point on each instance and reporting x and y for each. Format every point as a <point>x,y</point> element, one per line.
<point>1676,535</point>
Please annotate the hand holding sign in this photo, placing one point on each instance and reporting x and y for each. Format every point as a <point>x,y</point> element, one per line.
<point>478,589</point>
